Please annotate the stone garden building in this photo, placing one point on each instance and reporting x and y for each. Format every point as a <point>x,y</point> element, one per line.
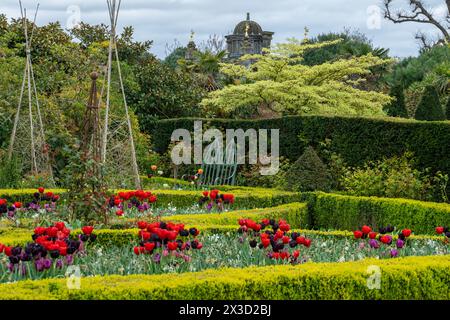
<point>248,38</point>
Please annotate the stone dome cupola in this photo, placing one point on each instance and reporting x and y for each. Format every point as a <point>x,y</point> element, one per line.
<point>248,27</point>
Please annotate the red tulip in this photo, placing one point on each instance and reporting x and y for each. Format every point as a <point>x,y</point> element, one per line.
<point>385,239</point>
<point>139,250</point>
<point>7,251</point>
<point>119,213</point>
<point>87,230</point>
<point>366,229</point>
<point>55,197</point>
<point>39,230</point>
<point>373,235</point>
<point>301,240</point>
<point>142,225</point>
<point>265,242</point>
<point>307,243</point>
<point>49,194</point>
<point>296,254</point>
<point>284,255</point>
<point>41,190</point>
<point>199,246</point>
<point>149,246</point>
<point>63,251</point>
<point>60,225</point>
<point>406,232</point>
<point>18,205</point>
<point>2,202</point>
<point>52,231</point>
<point>2,248</point>
<point>440,230</point>
<point>144,235</point>
<point>266,221</point>
<point>285,239</point>
<point>117,202</point>
<point>205,193</point>
<point>172,246</point>
<point>153,199</point>
<point>358,234</point>
<point>285,227</point>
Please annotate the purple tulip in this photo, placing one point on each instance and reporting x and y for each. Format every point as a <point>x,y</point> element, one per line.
<point>400,243</point>
<point>157,258</point>
<point>394,253</point>
<point>39,264</point>
<point>374,243</point>
<point>59,264</point>
<point>69,259</point>
<point>47,263</point>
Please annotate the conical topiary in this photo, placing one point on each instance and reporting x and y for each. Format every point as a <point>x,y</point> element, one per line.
<point>309,173</point>
<point>397,108</point>
<point>430,108</point>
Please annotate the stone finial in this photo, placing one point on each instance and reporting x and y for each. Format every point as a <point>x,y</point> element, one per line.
<point>248,16</point>
<point>94,75</point>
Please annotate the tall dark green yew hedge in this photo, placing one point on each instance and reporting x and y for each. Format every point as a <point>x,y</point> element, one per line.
<point>357,140</point>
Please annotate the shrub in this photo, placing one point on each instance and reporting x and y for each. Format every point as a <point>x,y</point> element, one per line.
<point>430,108</point>
<point>403,278</point>
<point>391,178</point>
<point>308,173</point>
<point>397,108</point>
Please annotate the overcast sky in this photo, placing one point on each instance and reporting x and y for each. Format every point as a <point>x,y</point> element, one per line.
<point>165,20</point>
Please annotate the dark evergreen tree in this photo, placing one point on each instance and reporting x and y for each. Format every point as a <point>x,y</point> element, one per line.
<point>397,108</point>
<point>309,173</point>
<point>430,108</point>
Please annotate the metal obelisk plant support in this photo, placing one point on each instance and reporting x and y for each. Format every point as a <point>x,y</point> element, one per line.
<point>110,145</point>
<point>91,148</point>
<point>28,136</point>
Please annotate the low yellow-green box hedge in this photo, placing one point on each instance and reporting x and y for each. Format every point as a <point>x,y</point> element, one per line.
<point>403,278</point>
<point>341,212</point>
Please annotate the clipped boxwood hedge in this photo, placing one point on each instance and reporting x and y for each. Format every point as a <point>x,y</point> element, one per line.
<point>356,139</point>
<point>333,211</point>
<point>403,278</point>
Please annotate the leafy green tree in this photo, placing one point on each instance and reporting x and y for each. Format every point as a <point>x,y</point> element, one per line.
<point>163,93</point>
<point>430,108</point>
<point>352,44</point>
<point>277,81</point>
<point>397,108</point>
<point>308,173</point>
<point>172,59</point>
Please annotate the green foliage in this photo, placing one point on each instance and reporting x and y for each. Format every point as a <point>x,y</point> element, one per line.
<point>172,59</point>
<point>356,140</point>
<point>447,109</point>
<point>340,212</point>
<point>276,82</point>
<point>392,178</point>
<point>430,108</point>
<point>163,93</point>
<point>10,172</point>
<point>353,44</point>
<point>405,278</point>
<point>308,173</point>
<point>397,108</point>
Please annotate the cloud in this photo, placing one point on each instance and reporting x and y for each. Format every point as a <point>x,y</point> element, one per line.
<point>165,20</point>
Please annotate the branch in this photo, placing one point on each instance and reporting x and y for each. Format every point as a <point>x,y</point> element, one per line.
<point>418,14</point>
